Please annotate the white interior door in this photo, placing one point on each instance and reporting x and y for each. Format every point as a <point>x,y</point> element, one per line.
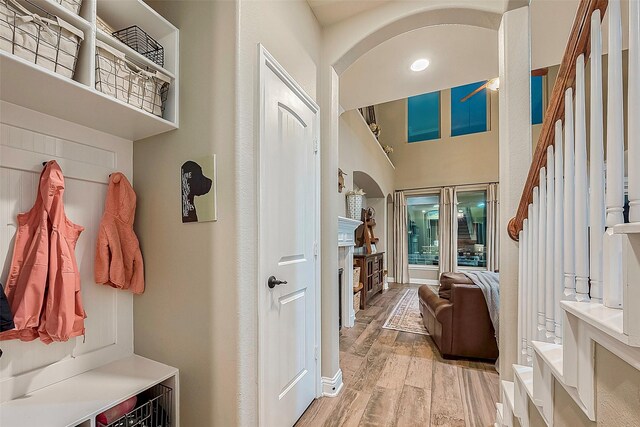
<point>289,228</point>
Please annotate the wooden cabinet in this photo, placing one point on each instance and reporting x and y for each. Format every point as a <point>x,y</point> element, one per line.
<point>371,275</point>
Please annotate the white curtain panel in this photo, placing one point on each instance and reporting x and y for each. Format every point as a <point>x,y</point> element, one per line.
<point>401,245</point>
<point>493,227</point>
<point>448,233</point>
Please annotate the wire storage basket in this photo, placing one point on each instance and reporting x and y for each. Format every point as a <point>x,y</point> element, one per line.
<point>120,78</point>
<point>39,37</point>
<point>72,5</point>
<point>153,410</point>
<point>137,39</point>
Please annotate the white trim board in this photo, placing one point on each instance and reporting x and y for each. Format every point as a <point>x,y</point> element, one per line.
<point>331,386</point>
<point>413,281</point>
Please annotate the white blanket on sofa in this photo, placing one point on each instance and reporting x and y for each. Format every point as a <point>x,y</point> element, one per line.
<point>489,283</point>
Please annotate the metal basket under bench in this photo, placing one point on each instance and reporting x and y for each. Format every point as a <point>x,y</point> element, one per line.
<point>153,410</point>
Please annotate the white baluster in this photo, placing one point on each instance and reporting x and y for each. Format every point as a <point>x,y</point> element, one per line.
<point>535,266</point>
<point>581,189</point>
<point>549,306</point>
<point>615,120</point>
<point>522,239</point>
<point>634,112</point>
<point>612,243</point>
<point>596,164</point>
<point>569,199</point>
<point>542,258</point>
<point>558,248</point>
<point>531,300</point>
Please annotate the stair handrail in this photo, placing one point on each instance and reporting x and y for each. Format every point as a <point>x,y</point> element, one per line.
<point>578,44</point>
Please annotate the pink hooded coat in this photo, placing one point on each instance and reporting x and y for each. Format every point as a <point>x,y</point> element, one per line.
<point>118,258</point>
<point>43,288</point>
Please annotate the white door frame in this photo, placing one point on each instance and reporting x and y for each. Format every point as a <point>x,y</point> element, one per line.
<point>268,62</point>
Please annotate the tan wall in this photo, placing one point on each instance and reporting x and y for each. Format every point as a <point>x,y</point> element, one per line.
<point>290,32</point>
<point>197,274</point>
<point>618,393</point>
<point>449,160</point>
<point>187,316</point>
<point>617,397</point>
<point>360,151</point>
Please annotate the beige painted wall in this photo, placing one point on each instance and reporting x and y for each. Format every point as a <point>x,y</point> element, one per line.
<point>289,31</point>
<point>618,392</point>
<point>617,397</point>
<point>199,310</point>
<point>187,316</point>
<point>449,160</point>
<point>360,151</point>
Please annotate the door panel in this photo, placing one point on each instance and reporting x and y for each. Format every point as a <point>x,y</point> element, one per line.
<point>288,232</point>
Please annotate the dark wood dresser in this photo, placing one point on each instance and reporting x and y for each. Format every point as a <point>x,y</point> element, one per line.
<point>371,275</point>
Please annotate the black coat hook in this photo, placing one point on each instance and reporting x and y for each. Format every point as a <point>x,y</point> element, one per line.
<point>44,163</point>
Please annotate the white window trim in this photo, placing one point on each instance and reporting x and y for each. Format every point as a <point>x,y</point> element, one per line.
<point>424,267</point>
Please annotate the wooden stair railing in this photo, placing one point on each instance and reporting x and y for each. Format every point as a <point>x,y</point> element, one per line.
<point>578,44</point>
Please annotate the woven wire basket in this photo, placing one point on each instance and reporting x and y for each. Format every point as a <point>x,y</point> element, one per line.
<point>72,5</point>
<point>39,37</point>
<point>154,411</point>
<point>137,39</point>
<point>118,77</point>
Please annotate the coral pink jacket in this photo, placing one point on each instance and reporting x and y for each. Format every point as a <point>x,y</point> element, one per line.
<point>118,260</point>
<point>43,288</point>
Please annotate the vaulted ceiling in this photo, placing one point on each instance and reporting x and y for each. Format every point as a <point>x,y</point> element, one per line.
<point>329,12</point>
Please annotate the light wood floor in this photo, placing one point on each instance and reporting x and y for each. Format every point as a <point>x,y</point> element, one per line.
<point>394,378</point>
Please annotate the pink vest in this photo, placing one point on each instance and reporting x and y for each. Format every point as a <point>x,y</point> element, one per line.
<point>43,288</point>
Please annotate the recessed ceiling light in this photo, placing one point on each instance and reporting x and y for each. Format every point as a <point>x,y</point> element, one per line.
<point>420,64</point>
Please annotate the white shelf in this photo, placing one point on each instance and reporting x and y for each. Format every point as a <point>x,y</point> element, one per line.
<point>552,355</point>
<point>131,54</point>
<point>79,399</point>
<point>508,392</point>
<point>64,13</point>
<point>31,86</point>
<point>524,374</point>
<point>631,228</point>
<point>608,320</point>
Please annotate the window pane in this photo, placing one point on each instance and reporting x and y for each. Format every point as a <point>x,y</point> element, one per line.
<point>423,224</point>
<point>423,117</point>
<point>469,116</point>
<point>536,100</point>
<point>472,229</point>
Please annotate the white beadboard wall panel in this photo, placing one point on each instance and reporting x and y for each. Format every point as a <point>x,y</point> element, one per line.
<point>86,156</point>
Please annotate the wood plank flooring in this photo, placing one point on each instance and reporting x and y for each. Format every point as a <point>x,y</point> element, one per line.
<point>394,378</point>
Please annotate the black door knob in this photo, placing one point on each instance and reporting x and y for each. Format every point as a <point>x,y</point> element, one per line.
<point>273,282</point>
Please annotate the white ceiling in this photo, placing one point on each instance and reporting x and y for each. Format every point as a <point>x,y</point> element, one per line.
<point>458,54</point>
<point>329,12</point>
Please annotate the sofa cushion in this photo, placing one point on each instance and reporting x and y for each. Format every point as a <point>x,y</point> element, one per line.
<point>447,279</point>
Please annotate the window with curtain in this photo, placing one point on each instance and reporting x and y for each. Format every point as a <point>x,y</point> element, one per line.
<point>423,224</point>
<point>472,228</point>
<point>423,117</point>
<point>469,116</point>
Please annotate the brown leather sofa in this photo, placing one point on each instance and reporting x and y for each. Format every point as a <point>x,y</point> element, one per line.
<point>458,319</point>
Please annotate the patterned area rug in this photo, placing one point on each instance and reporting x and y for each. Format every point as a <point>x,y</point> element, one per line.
<point>405,316</point>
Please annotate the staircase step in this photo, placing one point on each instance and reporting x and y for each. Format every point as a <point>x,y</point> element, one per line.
<point>552,355</point>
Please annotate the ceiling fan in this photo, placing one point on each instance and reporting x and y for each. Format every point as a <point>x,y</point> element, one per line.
<point>494,84</point>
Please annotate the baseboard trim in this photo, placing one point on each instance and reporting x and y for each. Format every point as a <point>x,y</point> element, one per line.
<point>391,279</point>
<point>423,281</point>
<point>331,386</point>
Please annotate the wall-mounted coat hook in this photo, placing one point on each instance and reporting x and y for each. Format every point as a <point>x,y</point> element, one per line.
<point>44,163</point>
